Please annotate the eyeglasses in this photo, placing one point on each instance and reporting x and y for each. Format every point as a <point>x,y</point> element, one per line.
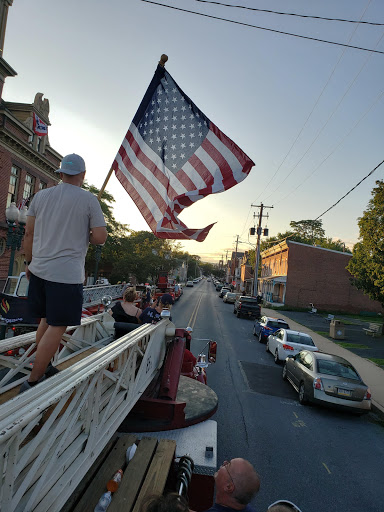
<point>225,465</point>
<point>287,503</point>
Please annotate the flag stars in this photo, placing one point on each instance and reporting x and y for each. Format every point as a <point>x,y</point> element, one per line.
<point>174,90</point>
<point>182,126</point>
<point>151,141</point>
<point>166,109</point>
<point>183,108</point>
<point>165,127</point>
<point>173,156</point>
<point>166,101</point>
<point>183,145</point>
<point>191,145</point>
<point>174,118</point>
<point>174,99</point>
<point>158,139</point>
<point>191,116</point>
<point>157,130</point>
<point>165,118</point>
<point>157,119</point>
<point>191,126</point>
<point>174,136</point>
<point>158,110</point>
<point>174,109</point>
<point>174,127</point>
<point>182,155</point>
<point>174,166</point>
<point>191,135</point>
<point>182,135</point>
<point>183,118</point>
<point>199,124</point>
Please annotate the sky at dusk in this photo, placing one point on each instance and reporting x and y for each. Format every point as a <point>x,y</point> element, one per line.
<point>309,114</point>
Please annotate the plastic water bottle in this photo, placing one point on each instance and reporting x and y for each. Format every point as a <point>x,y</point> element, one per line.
<point>130,453</point>
<point>113,484</point>
<point>104,502</point>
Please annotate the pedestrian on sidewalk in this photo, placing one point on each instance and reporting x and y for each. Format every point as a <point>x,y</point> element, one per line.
<point>61,222</point>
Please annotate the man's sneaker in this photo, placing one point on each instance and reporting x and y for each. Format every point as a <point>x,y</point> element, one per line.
<point>26,385</point>
<point>51,371</point>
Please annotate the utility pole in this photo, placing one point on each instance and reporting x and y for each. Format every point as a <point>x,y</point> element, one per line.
<point>261,206</point>
<point>234,269</point>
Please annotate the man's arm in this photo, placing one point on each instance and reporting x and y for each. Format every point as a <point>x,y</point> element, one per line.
<point>28,238</point>
<point>98,236</point>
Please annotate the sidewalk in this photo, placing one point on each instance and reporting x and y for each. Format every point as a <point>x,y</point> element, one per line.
<point>372,375</point>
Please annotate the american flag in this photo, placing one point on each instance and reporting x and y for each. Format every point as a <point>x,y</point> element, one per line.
<point>172,156</point>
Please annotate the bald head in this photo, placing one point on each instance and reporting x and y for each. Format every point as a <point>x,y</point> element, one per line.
<point>236,483</point>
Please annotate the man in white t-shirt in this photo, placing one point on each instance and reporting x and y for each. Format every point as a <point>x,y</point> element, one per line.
<point>61,223</point>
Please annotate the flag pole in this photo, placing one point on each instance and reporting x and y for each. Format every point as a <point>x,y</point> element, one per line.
<point>162,61</point>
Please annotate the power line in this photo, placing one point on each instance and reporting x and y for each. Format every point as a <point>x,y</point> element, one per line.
<point>263,28</point>
<point>334,149</point>
<point>360,182</point>
<point>289,13</point>
<point>313,109</point>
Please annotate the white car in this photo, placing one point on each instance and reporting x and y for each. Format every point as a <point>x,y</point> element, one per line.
<point>189,283</point>
<point>286,342</point>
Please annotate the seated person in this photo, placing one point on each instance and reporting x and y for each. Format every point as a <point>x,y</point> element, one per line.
<point>126,311</point>
<point>153,315</point>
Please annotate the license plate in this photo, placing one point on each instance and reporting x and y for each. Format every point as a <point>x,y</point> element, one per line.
<point>344,392</point>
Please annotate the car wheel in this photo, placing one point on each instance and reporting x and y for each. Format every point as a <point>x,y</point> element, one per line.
<point>302,396</point>
<point>267,347</point>
<point>276,357</point>
<point>285,371</point>
<point>260,337</point>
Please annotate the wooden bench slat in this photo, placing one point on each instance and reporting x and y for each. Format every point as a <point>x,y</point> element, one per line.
<point>98,486</point>
<point>124,498</point>
<point>158,472</point>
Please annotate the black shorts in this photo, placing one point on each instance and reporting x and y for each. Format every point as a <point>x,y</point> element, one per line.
<point>60,303</point>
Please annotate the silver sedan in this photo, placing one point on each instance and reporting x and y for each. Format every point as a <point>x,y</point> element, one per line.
<point>327,378</point>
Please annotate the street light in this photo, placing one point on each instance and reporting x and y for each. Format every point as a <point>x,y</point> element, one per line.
<point>15,233</point>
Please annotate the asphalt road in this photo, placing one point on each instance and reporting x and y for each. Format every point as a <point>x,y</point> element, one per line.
<point>323,460</point>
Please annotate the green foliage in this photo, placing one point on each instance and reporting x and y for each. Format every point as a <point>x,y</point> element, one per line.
<point>367,262</point>
<point>308,232</point>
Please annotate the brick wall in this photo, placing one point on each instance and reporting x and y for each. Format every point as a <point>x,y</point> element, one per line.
<point>319,276</point>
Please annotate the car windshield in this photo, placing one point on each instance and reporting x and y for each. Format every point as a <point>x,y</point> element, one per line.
<point>275,323</point>
<point>248,299</point>
<point>295,337</point>
<point>337,369</point>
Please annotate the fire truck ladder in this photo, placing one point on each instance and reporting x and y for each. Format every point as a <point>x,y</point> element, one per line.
<point>51,434</point>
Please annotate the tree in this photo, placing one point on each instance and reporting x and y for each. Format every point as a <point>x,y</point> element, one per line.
<point>367,262</point>
<point>310,230</point>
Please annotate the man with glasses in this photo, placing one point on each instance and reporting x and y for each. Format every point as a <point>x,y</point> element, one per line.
<point>236,484</point>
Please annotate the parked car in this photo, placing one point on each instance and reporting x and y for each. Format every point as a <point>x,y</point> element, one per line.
<point>189,283</point>
<point>286,342</point>
<point>327,379</point>
<point>223,291</point>
<point>230,297</point>
<point>219,287</point>
<point>247,306</point>
<point>268,325</point>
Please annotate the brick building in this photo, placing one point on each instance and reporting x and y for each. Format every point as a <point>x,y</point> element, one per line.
<point>297,274</point>
<point>27,161</point>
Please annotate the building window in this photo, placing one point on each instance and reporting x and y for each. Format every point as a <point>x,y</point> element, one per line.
<point>13,185</point>
<point>42,185</point>
<point>2,246</point>
<point>29,187</point>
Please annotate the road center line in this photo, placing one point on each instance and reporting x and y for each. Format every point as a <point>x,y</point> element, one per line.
<point>193,318</point>
<point>326,467</point>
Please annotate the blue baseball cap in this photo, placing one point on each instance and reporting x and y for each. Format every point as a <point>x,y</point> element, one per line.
<point>72,164</point>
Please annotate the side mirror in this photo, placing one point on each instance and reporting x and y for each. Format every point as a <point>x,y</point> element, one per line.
<point>165,313</point>
<point>212,350</point>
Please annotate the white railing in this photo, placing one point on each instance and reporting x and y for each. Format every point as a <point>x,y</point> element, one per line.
<point>51,435</point>
<point>15,367</point>
<point>92,295</point>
